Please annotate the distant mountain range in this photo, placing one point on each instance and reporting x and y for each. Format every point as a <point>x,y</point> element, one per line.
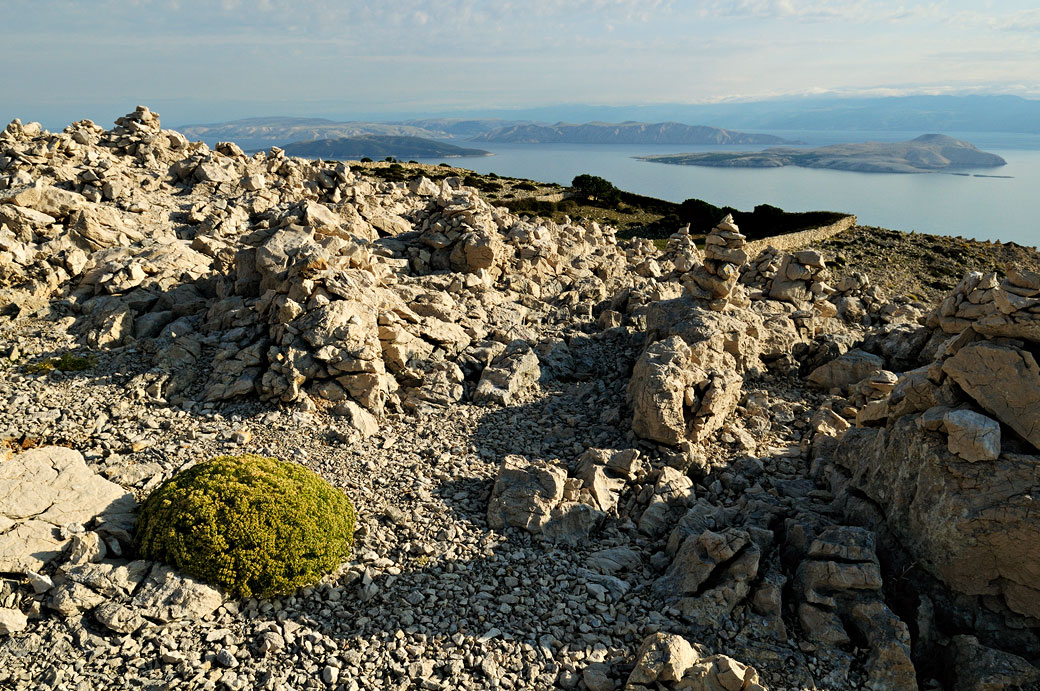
<point>928,153</point>
<point>262,133</point>
<point>378,147</point>
<point>624,133</point>
<point>972,113</point>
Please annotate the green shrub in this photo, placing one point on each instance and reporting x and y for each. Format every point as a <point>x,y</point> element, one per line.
<point>596,188</point>
<point>254,526</point>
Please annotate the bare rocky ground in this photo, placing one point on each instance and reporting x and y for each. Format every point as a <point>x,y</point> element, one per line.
<point>577,462</point>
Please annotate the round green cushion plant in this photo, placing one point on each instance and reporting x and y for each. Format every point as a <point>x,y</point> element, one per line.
<point>254,526</point>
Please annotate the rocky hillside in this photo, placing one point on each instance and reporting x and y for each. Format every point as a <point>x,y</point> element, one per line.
<point>578,462</point>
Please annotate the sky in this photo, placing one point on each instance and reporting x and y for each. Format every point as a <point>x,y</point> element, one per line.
<point>213,60</point>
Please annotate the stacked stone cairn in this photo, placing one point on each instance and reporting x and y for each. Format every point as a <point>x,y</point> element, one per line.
<point>716,279</point>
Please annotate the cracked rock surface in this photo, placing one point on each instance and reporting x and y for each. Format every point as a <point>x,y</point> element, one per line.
<point>44,490</point>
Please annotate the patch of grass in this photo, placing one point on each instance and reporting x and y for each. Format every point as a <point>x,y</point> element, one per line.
<point>67,362</point>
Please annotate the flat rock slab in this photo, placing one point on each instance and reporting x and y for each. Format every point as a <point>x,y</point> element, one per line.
<point>1005,381</point>
<point>167,596</point>
<point>42,490</point>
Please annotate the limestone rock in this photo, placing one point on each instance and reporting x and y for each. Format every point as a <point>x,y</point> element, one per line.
<point>728,559</point>
<point>1004,380</point>
<point>663,657</point>
<point>46,199</point>
<point>44,489</point>
<point>525,494</point>
<point>889,667</point>
<point>720,673</point>
<point>571,523</point>
<point>979,668</point>
<point>116,617</point>
<point>657,390</point>
<point>12,621</point>
<point>972,436</point>
<point>86,548</point>
<point>360,419</point>
<point>848,369</point>
<point>932,499</point>
<point>168,596</point>
<point>508,375</point>
<point>672,494</point>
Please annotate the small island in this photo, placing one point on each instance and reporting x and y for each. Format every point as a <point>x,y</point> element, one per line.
<point>377,147</point>
<point>929,153</point>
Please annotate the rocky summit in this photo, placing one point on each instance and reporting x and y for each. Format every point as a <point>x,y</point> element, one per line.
<point>578,462</point>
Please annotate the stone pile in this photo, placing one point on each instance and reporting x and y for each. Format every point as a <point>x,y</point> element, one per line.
<point>801,279</point>
<point>954,441</point>
<point>995,308</point>
<point>681,253</point>
<point>715,280</point>
<point>859,302</point>
<point>761,270</point>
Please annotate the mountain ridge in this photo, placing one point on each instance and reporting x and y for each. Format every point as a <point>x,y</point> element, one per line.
<point>378,146</point>
<point>629,132</point>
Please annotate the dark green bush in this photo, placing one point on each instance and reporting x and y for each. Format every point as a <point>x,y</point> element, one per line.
<point>596,189</point>
<point>254,526</point>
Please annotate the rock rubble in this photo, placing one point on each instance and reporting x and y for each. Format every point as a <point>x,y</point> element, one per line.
<point>578,462</point>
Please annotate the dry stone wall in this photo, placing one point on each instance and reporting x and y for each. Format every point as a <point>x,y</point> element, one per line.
<point>802,238</point>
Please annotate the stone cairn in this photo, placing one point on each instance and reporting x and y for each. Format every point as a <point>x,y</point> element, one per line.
<point>716,279</point>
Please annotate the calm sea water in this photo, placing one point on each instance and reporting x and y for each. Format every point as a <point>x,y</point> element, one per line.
<point>985,208</point>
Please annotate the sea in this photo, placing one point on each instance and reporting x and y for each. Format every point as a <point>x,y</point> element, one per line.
<point>999,204</point>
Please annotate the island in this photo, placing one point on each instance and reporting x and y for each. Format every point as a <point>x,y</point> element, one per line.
<point>929,153</point>
<point>625,133</point>
<point>377,146</point>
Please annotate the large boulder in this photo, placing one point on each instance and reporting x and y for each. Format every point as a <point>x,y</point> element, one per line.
<point>848,369</point>
<point>657,391</point>
<point>689,378</point>
<point>525,494</point>
<point>1004,380</point>
<point>509,375</point>
<point>46,489</point>
<point>973,525</point>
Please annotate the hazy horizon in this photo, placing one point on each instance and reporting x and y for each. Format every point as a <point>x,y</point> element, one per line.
<point>196,61</point>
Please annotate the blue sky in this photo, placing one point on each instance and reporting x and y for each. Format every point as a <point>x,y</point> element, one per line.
<point>209,60</point>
